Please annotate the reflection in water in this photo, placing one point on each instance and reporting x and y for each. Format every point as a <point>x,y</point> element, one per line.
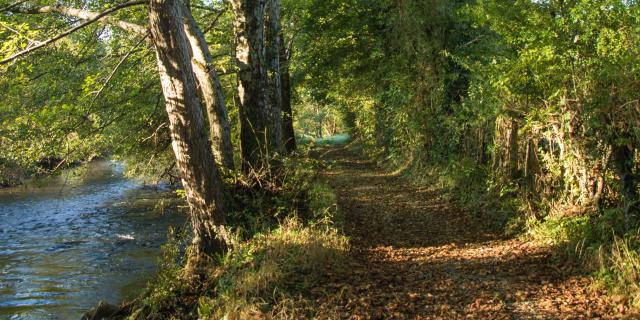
<point>77,240</point>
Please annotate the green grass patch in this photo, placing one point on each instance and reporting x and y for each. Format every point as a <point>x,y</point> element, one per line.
<point>269,273</point>
<point>334,140</point>
<point>598,242</point>
<point>263,276</point>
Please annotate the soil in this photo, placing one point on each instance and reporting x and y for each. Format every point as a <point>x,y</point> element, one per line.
<point>417,256</point>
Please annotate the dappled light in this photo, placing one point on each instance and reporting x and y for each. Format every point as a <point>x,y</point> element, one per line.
<point>319,159</point>
<point>420,256</point>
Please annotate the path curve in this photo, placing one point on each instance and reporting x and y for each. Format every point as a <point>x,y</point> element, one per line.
<point>417,257</point>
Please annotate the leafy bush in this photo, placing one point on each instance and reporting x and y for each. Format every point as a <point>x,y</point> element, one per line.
<point>274,263</point>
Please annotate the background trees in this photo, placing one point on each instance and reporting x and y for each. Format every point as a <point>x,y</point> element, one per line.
<point>534,100</point>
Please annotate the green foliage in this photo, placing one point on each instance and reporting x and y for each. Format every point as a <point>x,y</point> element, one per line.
<point>92,94</point>
<point>263,274</point>
<point>518,109</point>
<point>562,230</point>
<point>167,289</point>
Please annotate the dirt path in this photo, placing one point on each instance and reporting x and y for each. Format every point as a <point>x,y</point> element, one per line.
<point>417,257</point>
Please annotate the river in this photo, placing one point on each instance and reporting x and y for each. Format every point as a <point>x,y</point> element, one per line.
<point>85,236</point>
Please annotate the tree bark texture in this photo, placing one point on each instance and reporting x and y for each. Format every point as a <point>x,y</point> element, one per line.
<point>211,91</point>
<point>257,145</point>
<point>194,158</point>
<point>274,81</point>
<point>288,134</point>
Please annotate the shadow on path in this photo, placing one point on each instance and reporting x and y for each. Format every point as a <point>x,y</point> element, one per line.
<point>418,257</point>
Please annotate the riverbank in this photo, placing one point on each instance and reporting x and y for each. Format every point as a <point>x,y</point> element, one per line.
<point>378,246</point>
<point>280,256</point>
<point>71,240</point>
<point>11,176</point>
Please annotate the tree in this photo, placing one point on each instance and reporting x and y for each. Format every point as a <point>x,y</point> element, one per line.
<point>274,77</point>
<point>258,133</point>
<point>288,133</point>
<point>212,94</point>
<point>209,83</point>
<point>200,176</point>
<point>177,39</point>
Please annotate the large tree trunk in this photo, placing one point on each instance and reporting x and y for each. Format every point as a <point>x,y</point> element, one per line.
<point>256,125</point>
<point>274,84</point>
<point>211,89</point>
<point>288,134</point>
<point>194,158</point>
<point>532,165</point>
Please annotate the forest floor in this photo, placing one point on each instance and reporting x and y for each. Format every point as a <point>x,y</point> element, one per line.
<point>416,256</point>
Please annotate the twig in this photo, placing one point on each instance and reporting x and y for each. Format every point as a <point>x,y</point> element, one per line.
<point>113,72</point>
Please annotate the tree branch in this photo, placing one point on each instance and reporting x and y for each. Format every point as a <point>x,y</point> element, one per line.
<point>13,5</point>
<point>113,72</point>
<point>215,21</point>
<point>87,15</point>
<point>90,18</point>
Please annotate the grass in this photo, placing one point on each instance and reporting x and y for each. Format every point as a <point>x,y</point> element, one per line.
<point>598,242</point>
<point>265,276</point>
<point>620,268</point>
<point>334,140</point>
<point>269,273</point>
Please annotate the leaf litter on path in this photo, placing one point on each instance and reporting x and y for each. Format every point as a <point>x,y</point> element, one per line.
<point>419,257</point>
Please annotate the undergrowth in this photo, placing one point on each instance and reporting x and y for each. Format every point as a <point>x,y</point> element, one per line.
<point>288,244</point>
<point>599,243</point>
<point>597,240</point>
<point>265,276</point>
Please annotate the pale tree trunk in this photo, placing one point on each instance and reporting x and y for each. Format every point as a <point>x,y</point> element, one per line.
<point>211,90</point>
<point>252,102</point>
<point>505,156</point>
<point>624,162</point>
<point>513,149</point>
<point>532,165</point>
<point>274,84</point>
<point>288,134</point>
<point>194,158</point>
<point>584,172</point>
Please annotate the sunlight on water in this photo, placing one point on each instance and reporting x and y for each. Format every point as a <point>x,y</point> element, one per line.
<point>78,239</point>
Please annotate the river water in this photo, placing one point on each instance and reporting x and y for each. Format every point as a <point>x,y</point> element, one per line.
<point>83,237</point>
